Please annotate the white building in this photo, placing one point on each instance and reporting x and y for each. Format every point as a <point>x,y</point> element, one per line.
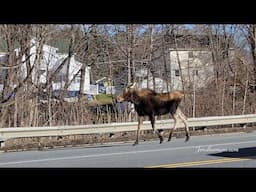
<point>50,61</point>
<point>196,67</point>
<point>3,59</point>
<point>146,81</point>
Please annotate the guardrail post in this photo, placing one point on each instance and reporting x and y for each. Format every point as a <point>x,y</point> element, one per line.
<point>2,142</point>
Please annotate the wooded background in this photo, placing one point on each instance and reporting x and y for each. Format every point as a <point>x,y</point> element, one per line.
<point>117,52</point>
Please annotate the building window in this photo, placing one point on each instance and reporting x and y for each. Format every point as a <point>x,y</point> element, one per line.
<point>77,79</point>
<point>177,72</point>
<point>195,72</point>
<point>41,71</point>
<point>190,54</point>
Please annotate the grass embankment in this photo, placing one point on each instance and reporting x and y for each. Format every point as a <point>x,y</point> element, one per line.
<point>102,99</point>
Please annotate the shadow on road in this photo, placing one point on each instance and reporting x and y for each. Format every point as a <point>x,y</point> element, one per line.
<point>248,152</point>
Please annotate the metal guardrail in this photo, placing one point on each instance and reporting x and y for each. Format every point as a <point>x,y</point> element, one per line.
<point>17,132</point>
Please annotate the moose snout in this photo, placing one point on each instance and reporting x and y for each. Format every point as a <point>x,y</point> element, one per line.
<point>119,99</point>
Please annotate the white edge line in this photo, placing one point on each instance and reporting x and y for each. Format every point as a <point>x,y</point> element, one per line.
<point>121,153</point>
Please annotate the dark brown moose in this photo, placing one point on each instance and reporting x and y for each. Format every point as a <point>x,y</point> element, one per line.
<point>150,103</point>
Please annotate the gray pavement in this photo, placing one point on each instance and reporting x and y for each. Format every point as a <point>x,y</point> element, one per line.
<point>226,150</point>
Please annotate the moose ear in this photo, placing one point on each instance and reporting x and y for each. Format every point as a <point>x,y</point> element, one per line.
<point>132,85</point>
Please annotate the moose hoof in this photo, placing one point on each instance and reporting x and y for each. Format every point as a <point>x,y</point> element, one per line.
<point>161,140</point>
<point>135,143</point>
<point>187,138</point>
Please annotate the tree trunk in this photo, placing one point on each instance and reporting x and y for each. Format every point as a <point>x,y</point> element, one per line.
<point>152,67</point>
<point>252,42</point>
<point>234,95</point>
<point>245,91</point>
<point>179,63</point>
<point>223,97</point>
<point>166,72</point>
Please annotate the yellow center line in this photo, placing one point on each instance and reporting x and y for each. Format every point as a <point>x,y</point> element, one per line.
<point>203,162</point>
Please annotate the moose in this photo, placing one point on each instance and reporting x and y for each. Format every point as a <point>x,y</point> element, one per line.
<point>149,103</point>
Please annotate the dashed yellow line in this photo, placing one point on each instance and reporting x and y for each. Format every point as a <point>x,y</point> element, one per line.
<point>204,162</point>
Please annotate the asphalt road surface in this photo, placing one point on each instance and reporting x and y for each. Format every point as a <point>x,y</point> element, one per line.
<point>226,150</point>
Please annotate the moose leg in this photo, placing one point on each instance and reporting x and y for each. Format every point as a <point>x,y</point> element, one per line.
<point>184,120</point>
<point>176,118</point>
<point>140,120</point>
<point>152,119</point>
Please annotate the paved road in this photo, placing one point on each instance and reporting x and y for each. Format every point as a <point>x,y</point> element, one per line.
<point>227,150</point>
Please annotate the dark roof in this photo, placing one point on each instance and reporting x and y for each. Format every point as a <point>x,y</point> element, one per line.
<point>194,41</point>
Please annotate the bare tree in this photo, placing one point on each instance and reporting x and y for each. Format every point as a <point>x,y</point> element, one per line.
<point>251,38</point>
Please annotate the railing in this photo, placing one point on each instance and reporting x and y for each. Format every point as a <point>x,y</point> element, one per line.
<point>17,132</point>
